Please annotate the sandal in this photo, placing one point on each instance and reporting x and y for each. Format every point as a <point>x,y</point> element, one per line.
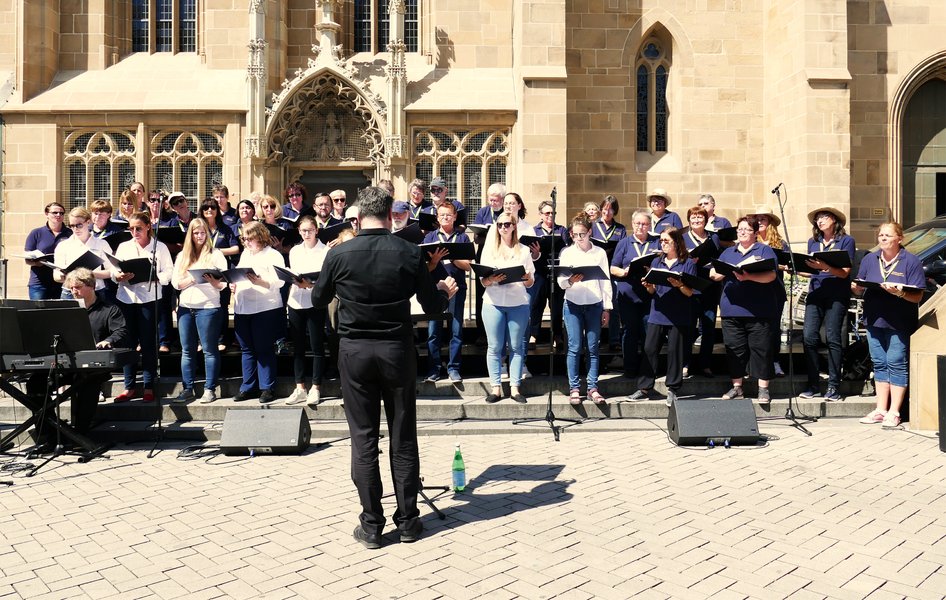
<point>734,394</point>
<point>596,396</point>
<point>574,398</point>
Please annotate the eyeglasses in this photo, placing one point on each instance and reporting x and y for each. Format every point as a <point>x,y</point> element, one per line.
<point>76,225</point>
<point>579,236</point>
<point>744,230</point>
<point>178,203</point>
<point>295,195</point>
<point>306,230</point>
<point>437,190</point>
<point>548,213</point>
<point>56,213</point>
<point>152,199</point>
<point>665,241</point>
<point>504,225</point>
<point>338,200</point>
<point>704,202</point>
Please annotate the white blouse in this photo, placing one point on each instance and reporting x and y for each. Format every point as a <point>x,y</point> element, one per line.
<point>72,248</point>
<point>509,294</point>
<point>202,294</point>
<point>130,292</point>
<point>586,292</point>
<point>305,260</point>
<point>250,299</point>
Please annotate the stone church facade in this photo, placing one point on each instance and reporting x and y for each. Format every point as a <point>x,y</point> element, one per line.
<point>842,101</point>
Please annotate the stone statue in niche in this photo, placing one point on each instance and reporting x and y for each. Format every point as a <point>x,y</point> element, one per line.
<point>332,141</point>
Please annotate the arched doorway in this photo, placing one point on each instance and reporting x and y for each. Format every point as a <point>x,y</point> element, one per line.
<point>923,138</point>
<point>328,180</point>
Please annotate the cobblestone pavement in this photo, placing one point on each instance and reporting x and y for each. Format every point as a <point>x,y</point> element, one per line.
<point>852,512</point>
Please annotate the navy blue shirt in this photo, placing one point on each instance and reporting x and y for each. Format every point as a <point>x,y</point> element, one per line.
<point>442,271</point>
<point>671,306</point>
<point>748,298</point>
<point>229,217</point>
<point>224,237</point>
<point>44,240</point>
<point>293,215</point>
<point>883,309</point>
<point>486,215</point>
<point>669,219</point>
<point>413,211</point>
<point>564,240</point>
<point>627,250</point>
<point>717,222</point>
<point>825,287</point>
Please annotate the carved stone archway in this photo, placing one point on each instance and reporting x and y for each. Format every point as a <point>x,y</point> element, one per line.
<point>325,121</point>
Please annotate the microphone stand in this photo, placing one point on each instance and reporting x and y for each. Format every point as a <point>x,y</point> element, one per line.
<point>796,422</point>
<point>156,285</point>
<point>550,417</point>
<point>52,386</point>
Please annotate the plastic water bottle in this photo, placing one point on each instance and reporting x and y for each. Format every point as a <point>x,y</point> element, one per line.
<point>459,471</point>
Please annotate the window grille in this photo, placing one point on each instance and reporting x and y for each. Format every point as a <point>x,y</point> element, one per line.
<point>469,161</point>
<point>372,25</point>
<point>190,162</point>
<point>174,25</point>
<point>97,165</point>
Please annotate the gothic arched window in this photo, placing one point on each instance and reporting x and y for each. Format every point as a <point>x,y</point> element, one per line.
<point>650,79</point>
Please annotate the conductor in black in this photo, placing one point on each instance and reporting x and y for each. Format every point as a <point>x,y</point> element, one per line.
<point>374,277</point>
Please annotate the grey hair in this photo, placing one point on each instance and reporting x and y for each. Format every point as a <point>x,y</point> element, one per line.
<point>374,202</point>
<point>496,188</point>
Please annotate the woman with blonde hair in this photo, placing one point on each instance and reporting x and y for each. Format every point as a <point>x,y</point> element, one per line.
<point>506,306</point>
<point>198,310</point>
<point>81,241</point>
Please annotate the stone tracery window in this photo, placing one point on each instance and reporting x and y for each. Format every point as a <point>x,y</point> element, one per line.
<point>651,77</point>
<point>97,165</point>
<point>468,160</point>
<point>187,161</point>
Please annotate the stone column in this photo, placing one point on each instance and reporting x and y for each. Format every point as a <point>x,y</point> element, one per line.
<point>396,142</point>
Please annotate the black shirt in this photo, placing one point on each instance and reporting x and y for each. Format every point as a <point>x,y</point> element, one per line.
<point>374,275</point>
<point>108,324</point>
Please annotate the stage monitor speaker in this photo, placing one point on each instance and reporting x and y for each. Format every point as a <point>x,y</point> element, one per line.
<point>698,422</point>
<point>265,431</point>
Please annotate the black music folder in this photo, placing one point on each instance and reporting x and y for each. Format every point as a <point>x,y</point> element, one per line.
<point>88,260</point>
<point>114,239</point>
<point>290,276</point>
<point>662,277</point>
<point>233,275</point>
<point>478,228</point>
<point>838,259</point>
<point>590,272</point>
<point>329,234</point>
<point>749,265</point>
<point>513,274</point>
<point>411,233</point>
<point>287,237</point>
<point>171,234</point>
<point>455,250</point>
<point>141,267</point>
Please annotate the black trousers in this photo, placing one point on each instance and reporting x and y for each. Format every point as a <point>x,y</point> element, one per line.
<point>749,344</point>
<point>83,405</point>
<point>677,338</point>
<point>373,371</point>
<point>543,296</point>
<point>309,321</point>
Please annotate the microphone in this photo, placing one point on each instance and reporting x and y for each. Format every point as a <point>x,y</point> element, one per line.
<point>775,189</point>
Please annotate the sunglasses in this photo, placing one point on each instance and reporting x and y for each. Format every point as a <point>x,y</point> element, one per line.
<point>154,199</point>
<point>76,225</point>
<point>295,195</point>
<point>504,225</point>
<point>206,208</point>
<point>579,236</point>
<point>338,200</point>
<point>437,190</point>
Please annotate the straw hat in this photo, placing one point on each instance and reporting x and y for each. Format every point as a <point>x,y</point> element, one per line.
<point>838,215</point>
<point>765,209</point>
<point>659,193</point>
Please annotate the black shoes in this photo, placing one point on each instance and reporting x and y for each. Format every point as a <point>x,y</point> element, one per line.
<point>371,541</point>
<point>413,533</point>
<point>244,396</point>
<point>266,397</point>
<point>492,398</point>
<point>519,398</point>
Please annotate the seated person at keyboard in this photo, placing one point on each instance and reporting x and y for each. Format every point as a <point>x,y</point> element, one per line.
<point>108,331</point>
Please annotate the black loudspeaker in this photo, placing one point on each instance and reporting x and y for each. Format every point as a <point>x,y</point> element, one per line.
<point>265,431</point>
<point>941,402</point>
<point>698,422</point>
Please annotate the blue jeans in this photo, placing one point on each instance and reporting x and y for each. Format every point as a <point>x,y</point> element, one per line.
<point>202,324</point>
<point>140,321</point>
<point>502,323</point>
<point>434,332</point>
<point>582,321</point>
<point>889,351</point>
<point>39,291</point>
<point>257,335</point>
<point>832,314</point>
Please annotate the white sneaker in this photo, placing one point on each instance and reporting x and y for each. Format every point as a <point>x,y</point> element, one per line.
<point>297,396</point>
<point>314,396</point>
<point>891,420</point>
<point>208,397</point>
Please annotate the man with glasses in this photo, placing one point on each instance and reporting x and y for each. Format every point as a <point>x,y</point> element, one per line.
<point>541,290</point>
<point>438,192</point>
<point>714,222</point>
<point>323,211</point>
<point>339,203</point>
<point>416,198</point>
<point>42,241</point>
